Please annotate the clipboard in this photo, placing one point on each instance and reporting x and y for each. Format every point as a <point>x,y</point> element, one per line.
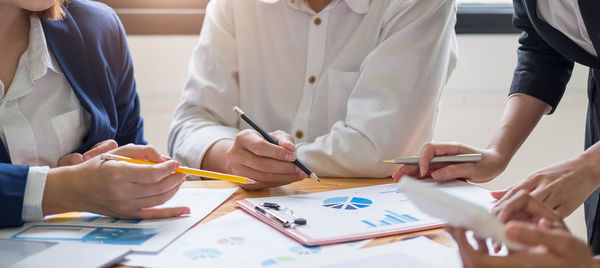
<point>347,215</point>
<point>307,240</point>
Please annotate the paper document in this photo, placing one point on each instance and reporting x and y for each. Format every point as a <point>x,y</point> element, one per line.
<point>234,240</point>
<point>20,253</point>
<point>139,235</point>
<point>359,212</point>
<point>418,252</point>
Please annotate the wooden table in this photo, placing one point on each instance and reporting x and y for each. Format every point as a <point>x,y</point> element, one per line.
<point>310,186</point>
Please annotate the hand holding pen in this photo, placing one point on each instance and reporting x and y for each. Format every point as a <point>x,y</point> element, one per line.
<point>461,162</point>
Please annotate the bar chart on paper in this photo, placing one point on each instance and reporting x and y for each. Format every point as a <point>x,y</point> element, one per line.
<point>391,218</point>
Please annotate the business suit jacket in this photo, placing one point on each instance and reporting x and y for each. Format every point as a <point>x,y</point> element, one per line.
<point>91,48</point>
<point>545,62</point>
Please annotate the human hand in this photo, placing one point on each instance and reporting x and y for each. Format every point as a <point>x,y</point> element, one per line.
<point>525,208</point>
<point>250,155</point>
<point>491,164</point>
<point>546,248</point>
<point>77,158</point>
<point>114,188</point>
<point>562,187</point>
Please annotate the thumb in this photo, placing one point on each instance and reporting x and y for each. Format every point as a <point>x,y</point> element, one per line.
<point>458,171</point>
<point>100,148</point>
<point>284,140</point>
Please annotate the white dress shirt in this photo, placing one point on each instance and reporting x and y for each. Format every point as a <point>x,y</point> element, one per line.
<point>41,119</point>
<point>565,16</point>
<point>356,83</point>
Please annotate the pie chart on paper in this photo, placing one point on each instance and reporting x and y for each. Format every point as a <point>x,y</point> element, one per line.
<point>347,202</point>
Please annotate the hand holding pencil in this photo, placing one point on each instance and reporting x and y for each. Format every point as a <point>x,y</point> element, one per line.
<point>267,158</point>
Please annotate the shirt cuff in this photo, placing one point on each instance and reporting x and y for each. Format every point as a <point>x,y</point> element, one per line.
<point>190,150</point>
<point>34,193</point>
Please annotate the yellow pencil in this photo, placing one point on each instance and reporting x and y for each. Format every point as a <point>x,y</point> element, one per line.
<point>183,170</point>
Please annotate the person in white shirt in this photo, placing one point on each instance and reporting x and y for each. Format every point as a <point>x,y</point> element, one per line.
<point>67,94</point>
<point>342,83</point>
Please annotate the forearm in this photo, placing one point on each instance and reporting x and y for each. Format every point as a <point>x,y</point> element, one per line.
<point>521,115</point>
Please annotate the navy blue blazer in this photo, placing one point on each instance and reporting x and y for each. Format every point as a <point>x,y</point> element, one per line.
<point>91,48</point>
<point>545,62</point>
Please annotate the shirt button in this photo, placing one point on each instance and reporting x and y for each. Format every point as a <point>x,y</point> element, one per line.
<point>312,79</point>
<point>317,21</point>
<point>299,134</point>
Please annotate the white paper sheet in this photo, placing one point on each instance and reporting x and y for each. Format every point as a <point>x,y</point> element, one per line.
<point>25,254</point>
<point>139,235</point>
<point>418,252</point>
<point>234,240</point>
<point>366,209</point>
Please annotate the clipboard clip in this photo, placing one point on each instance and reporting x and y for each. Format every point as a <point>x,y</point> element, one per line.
<point>284,216</point>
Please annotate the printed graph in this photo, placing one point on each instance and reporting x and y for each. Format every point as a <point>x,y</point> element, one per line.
<point>347,203</point>
<point>277,260</point>
<point>81,217</point>
<point>304,250</point>
<point>232,241</point>
<point>391,218</point>
<point>202,253</point>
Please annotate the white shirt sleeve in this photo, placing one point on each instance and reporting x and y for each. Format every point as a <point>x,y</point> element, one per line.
<point>34,193</point>
<point>205,114</point>
<point>392,108</point>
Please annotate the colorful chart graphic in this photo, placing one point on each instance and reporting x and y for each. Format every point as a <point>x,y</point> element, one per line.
<point>85,234</point>
<point>304,250</point>
<point>231,241</point>
<point>391,191</point>
<point>347,203</point>
<point>73,217</point>
<point>202,253</point>
<point>273,261</point>
<point>392,218</point>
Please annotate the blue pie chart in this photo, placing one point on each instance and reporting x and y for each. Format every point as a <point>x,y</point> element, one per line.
<point>347,203</point>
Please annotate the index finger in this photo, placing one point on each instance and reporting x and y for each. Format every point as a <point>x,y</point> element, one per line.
<point>555,240</point>
<point>142,152</point>
<point>526,205</point>
<point>431,150</point>
<point>257,145</point>
<point>143,173</point>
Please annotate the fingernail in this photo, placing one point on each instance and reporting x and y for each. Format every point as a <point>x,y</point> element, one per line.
<point>438,175</point>
<point>187,211</point>
<point>166,158</point>
<point>289,157</point>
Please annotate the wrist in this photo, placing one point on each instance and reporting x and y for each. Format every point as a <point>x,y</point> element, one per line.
<point>214,159</point>
<point>58,194</point>
<point>588,161</point>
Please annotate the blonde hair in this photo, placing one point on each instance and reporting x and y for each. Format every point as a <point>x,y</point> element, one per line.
<point>55,12</point>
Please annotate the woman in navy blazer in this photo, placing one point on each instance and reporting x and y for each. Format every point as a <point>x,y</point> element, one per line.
<point>89,45</point>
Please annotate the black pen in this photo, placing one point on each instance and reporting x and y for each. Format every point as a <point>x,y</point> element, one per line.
<point>268,137</point>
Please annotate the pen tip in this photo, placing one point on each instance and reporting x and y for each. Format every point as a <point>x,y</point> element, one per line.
<point>391,161</point>
<point>314,177</point>
<point>238,111</point>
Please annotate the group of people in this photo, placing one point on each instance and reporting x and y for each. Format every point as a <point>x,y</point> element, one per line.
<point>345,83</point>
